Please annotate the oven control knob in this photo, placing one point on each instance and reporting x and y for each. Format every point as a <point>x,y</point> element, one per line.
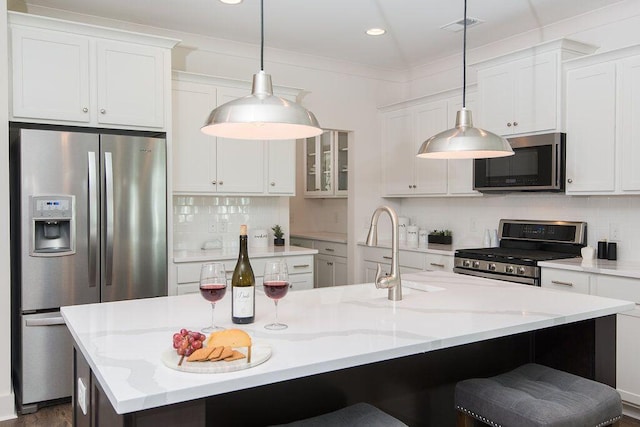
<point>466,263</point>
<point>509,269</point>
<point>491,267</point>
<point>521,270</point>
<point>476,264</point>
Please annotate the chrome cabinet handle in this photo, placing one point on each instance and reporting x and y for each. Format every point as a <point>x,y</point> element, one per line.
<point>329,263</point>
<point>509,124</point>
<point>410,186</point>
<point>301,266</point>
<point>85,109</point>
<point>108,163</point>
<point>93,219</point>
<point>386,257</point>
<point>435,264</point>
<point>329,250</point>
<point>558,282</point>
<point>569,180</point>
<point>415,186</point>
<point>515,123</point>
<point>221,183</point>
<point>214,182</point>
<point>48,321</point>
<point>273,184</point>
<point>103,111</point>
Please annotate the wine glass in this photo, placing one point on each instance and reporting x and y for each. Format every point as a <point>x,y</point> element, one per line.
<point>213,286</point>
<point>276,286</point>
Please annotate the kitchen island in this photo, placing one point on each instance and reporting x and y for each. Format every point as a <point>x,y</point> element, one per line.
<point>343,345</point>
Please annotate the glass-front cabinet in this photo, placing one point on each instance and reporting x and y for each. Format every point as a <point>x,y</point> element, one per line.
<point>327,164</point>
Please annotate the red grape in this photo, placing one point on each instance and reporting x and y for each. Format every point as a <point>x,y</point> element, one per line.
<point>196,344</point>
<point>186,342</point>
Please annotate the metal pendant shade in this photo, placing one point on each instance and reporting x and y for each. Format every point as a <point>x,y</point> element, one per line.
<point>261,115</point>
<point>465,141</point>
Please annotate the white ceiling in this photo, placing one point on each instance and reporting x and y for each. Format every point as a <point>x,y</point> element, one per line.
<point>335,28</point>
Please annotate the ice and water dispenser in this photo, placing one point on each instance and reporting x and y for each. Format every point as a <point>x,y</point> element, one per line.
<point>53,225</point>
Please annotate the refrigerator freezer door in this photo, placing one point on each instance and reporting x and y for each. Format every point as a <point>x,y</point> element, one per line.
<point>58,163</point>
<point>134,212</point>
<point>46,358</point>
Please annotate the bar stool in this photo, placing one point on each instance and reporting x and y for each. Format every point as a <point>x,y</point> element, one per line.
<point>358,415</point>
<point>534,396</point>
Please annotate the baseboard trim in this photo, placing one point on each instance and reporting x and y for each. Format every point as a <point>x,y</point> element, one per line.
<point>631,410</point>
<point>7,407</point>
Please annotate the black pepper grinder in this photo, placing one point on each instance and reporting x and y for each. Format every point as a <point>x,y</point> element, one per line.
<point>602,249</point>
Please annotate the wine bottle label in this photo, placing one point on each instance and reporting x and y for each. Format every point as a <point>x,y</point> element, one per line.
<point>243,301</point>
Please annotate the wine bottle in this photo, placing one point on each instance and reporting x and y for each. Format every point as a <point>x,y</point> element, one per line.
<point>243,285</point>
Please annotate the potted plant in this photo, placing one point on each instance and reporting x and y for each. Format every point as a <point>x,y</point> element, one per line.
<point>278,235</point>
<point>442,237</point>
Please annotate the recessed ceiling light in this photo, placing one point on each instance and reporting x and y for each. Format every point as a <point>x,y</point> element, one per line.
<point>231,1</point>
<point>376,31</point>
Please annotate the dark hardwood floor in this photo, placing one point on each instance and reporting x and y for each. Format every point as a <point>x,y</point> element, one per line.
<point>60,416</point>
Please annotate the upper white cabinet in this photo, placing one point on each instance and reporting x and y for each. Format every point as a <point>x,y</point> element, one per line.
<point>64,72</point>
<point>521,92</point>
<point>405,127</point>
<point>327,164</point>
<point>206,164</point>
<point>602,106</point>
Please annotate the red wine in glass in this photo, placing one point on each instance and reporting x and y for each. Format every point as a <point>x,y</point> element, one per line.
<point>276,289</point>
<point>213,292</point>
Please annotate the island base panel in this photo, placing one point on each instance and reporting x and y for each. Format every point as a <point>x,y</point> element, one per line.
<point>416,389</point>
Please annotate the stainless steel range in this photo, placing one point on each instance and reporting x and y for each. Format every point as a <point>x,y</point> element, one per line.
<point>522,245</point>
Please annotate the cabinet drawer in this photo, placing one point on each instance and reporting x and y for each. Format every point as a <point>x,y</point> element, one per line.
<point>565,280</point>
<point>627,349</point>
<point>188,288</point>
<point>414,260</point>
<point>331,248</point>
<point>625,288</point>
<point>436,262</point>
<point>301,281</point>
<point>304,243</point>
<point>187,273</point>
<point>300,264</point>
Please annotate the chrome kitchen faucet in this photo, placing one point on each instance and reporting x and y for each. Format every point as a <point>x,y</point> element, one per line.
<point>391,281</point>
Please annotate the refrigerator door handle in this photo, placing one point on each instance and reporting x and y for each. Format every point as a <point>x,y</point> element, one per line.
<point>93,219</point>
<point>47,321</point>
<point>108,173</point>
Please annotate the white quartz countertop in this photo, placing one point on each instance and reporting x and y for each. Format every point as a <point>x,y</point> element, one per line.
<point>599,266</point>
<point>320,235</point>
<point>329,329</point>
<point>431,248</point>
<point>232,253</point>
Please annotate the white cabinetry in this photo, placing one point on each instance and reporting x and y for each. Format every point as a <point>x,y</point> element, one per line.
<point>327,164</point>
<point>521,92</point>
<point>628,323</point>
<point>603,98</point>
<point>300,272</point>
<point>331,264</point>
<point>405,127</point>
<point>206,164</point>
<point>64,72</point>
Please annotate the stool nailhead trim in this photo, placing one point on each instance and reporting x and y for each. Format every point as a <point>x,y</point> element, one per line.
<point>491,423</point>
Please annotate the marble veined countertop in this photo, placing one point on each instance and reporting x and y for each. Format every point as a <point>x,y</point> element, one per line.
<point>598,266</point>
<point>329,329</point>
<point>232,253</point>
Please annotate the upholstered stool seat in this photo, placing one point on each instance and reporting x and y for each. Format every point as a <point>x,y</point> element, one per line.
<point>535,395</point>
<point>358,415</point>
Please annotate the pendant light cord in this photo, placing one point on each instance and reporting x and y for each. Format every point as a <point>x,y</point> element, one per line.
<point>262,35</point>
<point>464,59</point>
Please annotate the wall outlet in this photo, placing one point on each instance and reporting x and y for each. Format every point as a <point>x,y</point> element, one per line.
<point>82,396</point>
<point>614,231</point>
<point>213,227</point>
<point>223,227</point>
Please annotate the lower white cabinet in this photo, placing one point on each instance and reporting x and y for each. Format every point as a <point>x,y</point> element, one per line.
<point>409,261</point>
<point>300,272</point>
<point>628,323</point>
<point>330,270</point>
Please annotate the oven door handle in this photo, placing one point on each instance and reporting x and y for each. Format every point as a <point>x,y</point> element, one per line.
<point>514,279</point>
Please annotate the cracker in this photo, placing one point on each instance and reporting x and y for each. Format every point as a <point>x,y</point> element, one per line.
<point>234,356</point>
<point>200,354</point>
<point>215,353</point>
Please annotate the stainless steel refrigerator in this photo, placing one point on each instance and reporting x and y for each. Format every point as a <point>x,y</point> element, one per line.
<point>88,224</point>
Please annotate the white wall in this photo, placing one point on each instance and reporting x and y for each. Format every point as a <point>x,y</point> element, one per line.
<point>6,391</point>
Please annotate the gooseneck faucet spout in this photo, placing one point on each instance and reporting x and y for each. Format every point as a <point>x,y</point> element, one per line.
<point>391,281</point>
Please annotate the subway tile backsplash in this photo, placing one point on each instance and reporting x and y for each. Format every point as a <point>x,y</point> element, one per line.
<point>217,219</point>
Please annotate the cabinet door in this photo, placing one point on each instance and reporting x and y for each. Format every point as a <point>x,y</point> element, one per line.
<point>341,170</point>
<point>50,72</point>
<point>591,121</point>
<point>326,163</point>
<point>340,271</point>
<point>324,271</point>
<point>627,350</point>
<point>460,171</point>
<point>430,174</point>
<point>565,280</point>
<point>629,107</point>
<point>311,165</point>
<point>536,94</point>
<point>130,84</point>
<point>194,153</point>
<point>398,152</point>
<point>240,163</point>
<point>495,88</point>
<point>281,167</point>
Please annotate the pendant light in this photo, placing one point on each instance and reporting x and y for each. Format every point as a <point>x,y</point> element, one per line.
<point>465,141</point>
<point>261,115</point>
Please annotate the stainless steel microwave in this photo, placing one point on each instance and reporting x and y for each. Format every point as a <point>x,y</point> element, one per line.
<point>537,165</point>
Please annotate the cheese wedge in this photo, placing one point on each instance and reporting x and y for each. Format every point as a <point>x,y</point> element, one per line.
<point>231,338</point>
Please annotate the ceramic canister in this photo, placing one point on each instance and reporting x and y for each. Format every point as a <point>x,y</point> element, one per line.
<point>412,236</point>
<point>403,222</point>
<point>423,237</point>
<point>259,238</point>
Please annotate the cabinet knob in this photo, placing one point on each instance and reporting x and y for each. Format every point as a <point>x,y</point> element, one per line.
<point>515,123</point>
<point>85,109</point>
<point>220,182</point>
<point>214,182</point>
<point>273,184</point>
<point>103,111</point>
<point>509,124</point>
<point>569,180</point>
<point>410,186</point>
<point>415,186</point>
